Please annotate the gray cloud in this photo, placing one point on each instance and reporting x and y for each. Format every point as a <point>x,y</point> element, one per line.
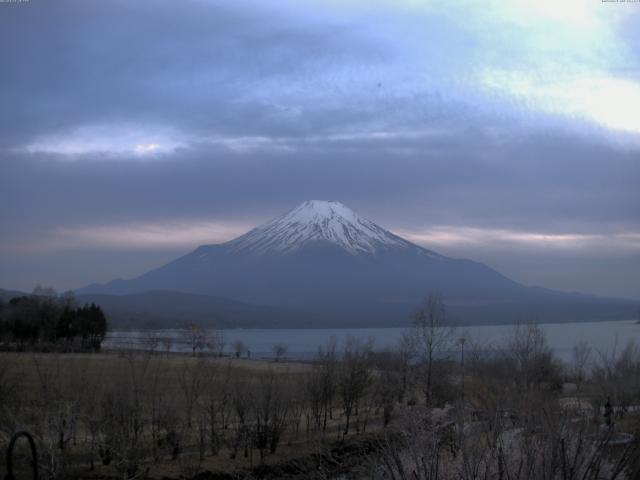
<point>544,181</point>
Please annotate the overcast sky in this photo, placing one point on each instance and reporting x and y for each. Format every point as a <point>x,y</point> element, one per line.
<point>505,131</point>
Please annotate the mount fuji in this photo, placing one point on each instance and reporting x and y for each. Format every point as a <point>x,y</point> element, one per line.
<point>335,268</point>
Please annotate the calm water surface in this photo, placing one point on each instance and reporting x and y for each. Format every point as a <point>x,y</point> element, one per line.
<point>303,343</point>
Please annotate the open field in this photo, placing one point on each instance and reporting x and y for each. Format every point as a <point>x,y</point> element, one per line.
<point>351,413</point>
<point>112,364</point>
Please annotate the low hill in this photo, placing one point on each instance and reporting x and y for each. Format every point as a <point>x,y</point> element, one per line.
<point>170,309</point>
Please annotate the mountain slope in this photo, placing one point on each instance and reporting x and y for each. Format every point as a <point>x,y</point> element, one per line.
<point>323,258</point>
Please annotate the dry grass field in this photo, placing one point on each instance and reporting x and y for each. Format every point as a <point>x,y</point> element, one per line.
<point>177,414</point>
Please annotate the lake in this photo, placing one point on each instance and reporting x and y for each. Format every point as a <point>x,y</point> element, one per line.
<point>303,343</point>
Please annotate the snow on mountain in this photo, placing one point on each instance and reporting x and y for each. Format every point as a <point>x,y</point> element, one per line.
<point>318,221</point>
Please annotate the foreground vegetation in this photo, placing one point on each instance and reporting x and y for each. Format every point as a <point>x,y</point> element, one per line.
<point>435,407</point>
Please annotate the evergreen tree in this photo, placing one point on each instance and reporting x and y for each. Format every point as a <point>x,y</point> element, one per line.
<point>43,320</point>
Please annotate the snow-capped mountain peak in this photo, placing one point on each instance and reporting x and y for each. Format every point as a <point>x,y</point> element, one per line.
<point>318,221</point>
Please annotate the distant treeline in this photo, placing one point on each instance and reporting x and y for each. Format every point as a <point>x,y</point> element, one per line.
<point>47,321</point>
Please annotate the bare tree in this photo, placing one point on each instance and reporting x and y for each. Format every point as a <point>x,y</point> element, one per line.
<point>581,354</point>
<point>314,398</point>
<point>193,381</point>
<point>150,340</point>
<point>157,404</point>
<point>239,347</point>
<point>122,419</point>
<point>388,383</point>
<point>404,355</point>
<point>327,361</point>
<point>216,342</point>
<point>167,342</point>
<point>241,403</point>
<point>531,355</point>
<point>432,334</point>
<point>270,407</point>
<point>218,404</point>
<point>195,336</point>
<point>354,376</point>
<point>279,350</point>
<point>59,410</point>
